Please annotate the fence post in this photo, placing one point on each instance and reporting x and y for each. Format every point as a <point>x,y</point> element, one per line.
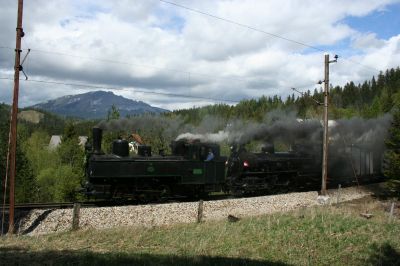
<point>200,211</point>
<point>338,195</point>
<point>75,216</point>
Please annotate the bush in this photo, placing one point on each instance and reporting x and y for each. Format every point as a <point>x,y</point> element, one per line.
<point>59,184</point>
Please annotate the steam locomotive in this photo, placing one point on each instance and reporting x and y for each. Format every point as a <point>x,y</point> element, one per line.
<point>270,172</point>
<point>147,176</point>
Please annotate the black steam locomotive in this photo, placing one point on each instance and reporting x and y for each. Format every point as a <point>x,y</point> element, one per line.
<point>147,176</point>
<point>270,172</point>
<point>186,172</point>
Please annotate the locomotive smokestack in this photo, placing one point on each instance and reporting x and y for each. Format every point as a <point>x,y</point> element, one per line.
<point>97,136</point>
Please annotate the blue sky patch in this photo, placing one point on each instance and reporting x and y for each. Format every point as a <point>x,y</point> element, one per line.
<point>385,23</point>
<point>174,23</point>
<point>170,20</point>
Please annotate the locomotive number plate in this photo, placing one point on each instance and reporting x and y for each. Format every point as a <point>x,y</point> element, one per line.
<point>198,171</point>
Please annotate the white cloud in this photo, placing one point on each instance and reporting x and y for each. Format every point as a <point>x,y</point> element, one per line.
<point>367,41</point>
<point>155,47</point>
<point>387,55</point>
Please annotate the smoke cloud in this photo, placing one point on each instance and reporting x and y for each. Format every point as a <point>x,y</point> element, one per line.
<point>277,125</point>
<point>208,137</point>
<point>354,144</point>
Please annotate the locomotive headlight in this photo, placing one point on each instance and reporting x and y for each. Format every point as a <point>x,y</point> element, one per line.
<point>246,164</point>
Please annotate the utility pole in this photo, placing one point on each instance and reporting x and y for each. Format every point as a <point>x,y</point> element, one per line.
<point>13,122</point>
<point>325,137</point>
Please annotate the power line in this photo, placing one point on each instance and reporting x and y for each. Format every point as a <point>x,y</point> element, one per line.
<point>258,30</point>
<point>199,74</point>
<point>116,88</point>
<point>139,91</point>
<point>189,73</point>
<point>357,63</point>
<point>241,25</point>
<point>154,67</point>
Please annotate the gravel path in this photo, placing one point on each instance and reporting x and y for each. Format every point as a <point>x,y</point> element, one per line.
<point>49,221</point>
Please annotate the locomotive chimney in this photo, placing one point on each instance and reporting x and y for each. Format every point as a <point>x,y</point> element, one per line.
<point>97,136</point>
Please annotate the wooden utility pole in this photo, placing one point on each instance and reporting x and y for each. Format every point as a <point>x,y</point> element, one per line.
<point>13,122</point>
<point>325,137</point>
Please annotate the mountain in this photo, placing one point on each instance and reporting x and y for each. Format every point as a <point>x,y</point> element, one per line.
<point>95,104</point>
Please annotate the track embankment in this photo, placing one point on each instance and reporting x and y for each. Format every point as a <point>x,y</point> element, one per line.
<point>59,220</point>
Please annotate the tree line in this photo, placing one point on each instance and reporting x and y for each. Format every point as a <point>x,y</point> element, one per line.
<point>369,99</point>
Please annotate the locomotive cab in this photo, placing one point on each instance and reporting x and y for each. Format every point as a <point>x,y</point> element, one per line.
<point>196,151</point>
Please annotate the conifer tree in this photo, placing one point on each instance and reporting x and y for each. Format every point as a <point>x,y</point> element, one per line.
<point>392,155</point>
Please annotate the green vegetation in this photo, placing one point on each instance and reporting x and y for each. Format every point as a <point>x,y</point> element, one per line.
<point>43,175</point>
<point>24,175</point>
<point>392,155</point>
<point>315,236</point>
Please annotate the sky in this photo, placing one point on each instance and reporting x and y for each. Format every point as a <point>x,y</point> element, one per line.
<point>154,51</point>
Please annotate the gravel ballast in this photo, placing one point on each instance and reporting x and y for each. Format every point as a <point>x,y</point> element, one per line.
<point>60,220</point>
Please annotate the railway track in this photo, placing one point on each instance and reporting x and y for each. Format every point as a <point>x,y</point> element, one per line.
<point>57,205</point>
<point>92,204</point>
<point>121,202</point>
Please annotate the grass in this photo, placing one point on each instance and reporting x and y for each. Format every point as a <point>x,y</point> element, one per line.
<point>316,236</point>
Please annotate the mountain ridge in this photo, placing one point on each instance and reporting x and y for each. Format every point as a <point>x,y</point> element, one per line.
<point>95,105</point>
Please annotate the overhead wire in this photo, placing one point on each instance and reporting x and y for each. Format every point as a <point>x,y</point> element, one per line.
<point>215,17</point>
<point>365,66</point>
<point>258,30</point>
<point>119,88</point>
<point>136,90</point>
<point>189,73</point>
<point>241,25</point>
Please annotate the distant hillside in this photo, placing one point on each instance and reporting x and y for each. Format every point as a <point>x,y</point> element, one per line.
<point>93,105</point>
